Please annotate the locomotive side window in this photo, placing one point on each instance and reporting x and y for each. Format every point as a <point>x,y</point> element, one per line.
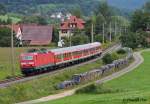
<point>27,58</point>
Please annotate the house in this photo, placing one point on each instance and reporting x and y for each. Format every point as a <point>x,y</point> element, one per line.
<point>32,34</point>
<point>57,15</point>
<point>68,26</point>
<point>36,34</point>
<point>148,30</point>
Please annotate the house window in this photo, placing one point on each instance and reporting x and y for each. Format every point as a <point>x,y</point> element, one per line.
<point>64,31</point>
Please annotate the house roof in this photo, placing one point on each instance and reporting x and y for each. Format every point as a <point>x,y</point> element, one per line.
<point>73,20</point>
<point>37,35</point>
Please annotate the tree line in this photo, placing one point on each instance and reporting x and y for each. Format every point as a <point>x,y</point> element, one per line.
<point>138,35</point>
<point>103,14</point>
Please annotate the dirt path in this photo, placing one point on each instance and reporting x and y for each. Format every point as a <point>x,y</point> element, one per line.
<point>138,60</point>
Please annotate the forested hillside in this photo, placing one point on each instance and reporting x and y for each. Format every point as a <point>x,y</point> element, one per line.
<point>127,4</point>
<point>47,6</point>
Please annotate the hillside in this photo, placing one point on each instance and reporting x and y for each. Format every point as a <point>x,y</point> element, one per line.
<point>37,7</point>
<point>46,7</point>
<point>28,7</point>
<point>127,4</point>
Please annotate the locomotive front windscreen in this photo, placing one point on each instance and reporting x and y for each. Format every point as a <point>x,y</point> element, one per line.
<point>27,58</point>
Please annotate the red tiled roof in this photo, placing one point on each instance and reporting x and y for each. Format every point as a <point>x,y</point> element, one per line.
<point>73,20</point>
<point>37,35</point>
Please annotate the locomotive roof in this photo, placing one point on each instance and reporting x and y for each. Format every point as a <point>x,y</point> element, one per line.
<point>75,48</point>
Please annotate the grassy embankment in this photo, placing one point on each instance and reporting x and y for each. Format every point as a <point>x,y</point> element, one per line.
<point>131,88</point>
<point>39,87</point>
<point>5,61</point>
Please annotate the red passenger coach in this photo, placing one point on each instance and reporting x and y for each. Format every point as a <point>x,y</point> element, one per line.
<point>43,61</point>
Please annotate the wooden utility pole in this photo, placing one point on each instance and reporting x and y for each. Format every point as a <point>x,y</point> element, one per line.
<point>12,52</point>
<point>92,33</point>
<point>115,28</point>
<point>103,33</point>
<point>70,37</point>
<point>110,33</point>
<point>120,30</point>
<point>59,36</point>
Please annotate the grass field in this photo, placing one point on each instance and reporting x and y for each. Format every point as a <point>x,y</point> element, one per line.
<point>40,87</point>
<point>132,88</point>
<point>5,61</point>
<point>35,88</point>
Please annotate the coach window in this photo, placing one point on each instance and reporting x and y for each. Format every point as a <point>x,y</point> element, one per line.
<point>74,53</point>
<point>59,56</point>
<point>64,55</point>
<point>69,55</point>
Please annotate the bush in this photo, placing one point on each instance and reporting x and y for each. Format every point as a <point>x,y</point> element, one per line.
<point>96,89</point>
<point>121,51</point>
<point>107,59</point>
<point>79,39</point>
<point>87,89</point>
<point>98,38</point>
<point>114,56</point>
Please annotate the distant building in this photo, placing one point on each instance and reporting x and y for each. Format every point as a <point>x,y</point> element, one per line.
<point>57,15</point>
<point>148,30</point>
<point>72,23</point>
<point>36,35</point>
<point>32,34</point>
<point>60,16</point>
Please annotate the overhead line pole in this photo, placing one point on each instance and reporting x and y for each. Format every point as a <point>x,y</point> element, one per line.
<point>70,37</point>
<point>92,33</point>
<point>12,51</point>
<point>110,33</point>
<point>103,33</point>
<point>115,28</point>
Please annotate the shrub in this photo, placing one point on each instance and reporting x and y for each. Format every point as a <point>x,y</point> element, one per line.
<point>121,51</point>
<point>114,56</point>
<point>107,59</point>
<point>92,88</point>
<point>96,89</point>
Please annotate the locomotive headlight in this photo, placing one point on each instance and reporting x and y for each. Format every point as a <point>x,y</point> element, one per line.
<point>23,63</point>
<point>27,63</point>
<point>31,63</point>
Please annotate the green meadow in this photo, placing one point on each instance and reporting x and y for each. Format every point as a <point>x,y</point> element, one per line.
<point>5,61</point>
<point>131,88</point>
<point>36,88</point>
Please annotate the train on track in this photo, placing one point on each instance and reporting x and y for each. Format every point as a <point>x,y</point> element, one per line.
<point>92,75</point>
<point>45,60</point>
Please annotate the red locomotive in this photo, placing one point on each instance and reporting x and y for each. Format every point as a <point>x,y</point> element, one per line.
<point>42,61</point>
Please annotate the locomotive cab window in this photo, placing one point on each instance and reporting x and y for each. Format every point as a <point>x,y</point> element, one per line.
<point>27,58</point>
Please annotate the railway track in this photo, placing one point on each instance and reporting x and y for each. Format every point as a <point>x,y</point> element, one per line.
<point>20,79</point>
